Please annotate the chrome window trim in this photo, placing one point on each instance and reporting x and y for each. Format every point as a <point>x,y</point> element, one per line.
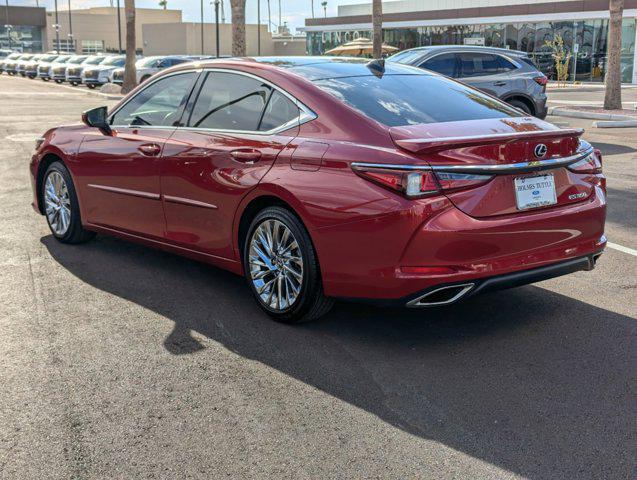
<point>306,114</point>
<point>487,169</point>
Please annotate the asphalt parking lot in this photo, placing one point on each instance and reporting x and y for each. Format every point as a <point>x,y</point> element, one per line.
<point>119,361</point>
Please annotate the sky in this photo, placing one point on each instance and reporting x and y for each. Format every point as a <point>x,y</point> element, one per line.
<point>292,11</point>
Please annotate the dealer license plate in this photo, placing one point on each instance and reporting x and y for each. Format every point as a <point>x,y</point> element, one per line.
<point>533,192</point>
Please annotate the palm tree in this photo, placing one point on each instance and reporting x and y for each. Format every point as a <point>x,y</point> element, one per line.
<point>377,26</point>
<point>238,8</point>
<point>324,5</point>
<point>130,76</point>
<point>163,3</point>
<point>613,80</point>
<point>269,18</point>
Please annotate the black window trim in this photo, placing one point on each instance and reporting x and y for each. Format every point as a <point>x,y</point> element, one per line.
<point>456,66</point>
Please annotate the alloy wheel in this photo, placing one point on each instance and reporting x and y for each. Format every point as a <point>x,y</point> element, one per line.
<point>276,265</point>
<point>57,203</point>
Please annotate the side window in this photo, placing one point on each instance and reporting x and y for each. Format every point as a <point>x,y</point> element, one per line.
<point>506,65</point>
<point>229,101</point>
<point>475,64</point>
<point>444,64</point>
<point>279,111</point>
<point>159,104</point>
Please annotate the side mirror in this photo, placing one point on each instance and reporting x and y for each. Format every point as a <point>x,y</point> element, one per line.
<point>97,117</point>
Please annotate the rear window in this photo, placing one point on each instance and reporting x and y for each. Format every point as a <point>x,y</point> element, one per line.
<point>396,100</point>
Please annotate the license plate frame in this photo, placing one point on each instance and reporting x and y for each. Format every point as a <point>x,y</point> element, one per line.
<point>535,191</point>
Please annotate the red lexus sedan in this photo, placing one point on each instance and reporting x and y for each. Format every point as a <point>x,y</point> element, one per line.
<point>323,178</point>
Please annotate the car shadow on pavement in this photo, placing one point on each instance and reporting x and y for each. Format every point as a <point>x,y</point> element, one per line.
<point>614,148</point>
<point>529,380</point>
<point>622,205</point>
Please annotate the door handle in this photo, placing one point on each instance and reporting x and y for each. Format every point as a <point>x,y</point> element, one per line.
<point>499,84</point>
<point>150,149</point>
<point>246,155</point>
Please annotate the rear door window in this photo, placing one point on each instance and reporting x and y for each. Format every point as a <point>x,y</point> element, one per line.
<point>229,101</point>
<point>478,64</point>
<point>279,111</point>
<point>444,64</point>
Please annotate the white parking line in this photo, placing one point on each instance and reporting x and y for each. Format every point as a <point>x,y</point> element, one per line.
<point>621,248</point>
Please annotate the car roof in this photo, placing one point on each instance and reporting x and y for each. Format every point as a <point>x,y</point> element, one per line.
<point>466,48</point>
<point>316,68</point>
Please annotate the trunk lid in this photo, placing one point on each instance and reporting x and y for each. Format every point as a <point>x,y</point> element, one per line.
<point>520,153</point>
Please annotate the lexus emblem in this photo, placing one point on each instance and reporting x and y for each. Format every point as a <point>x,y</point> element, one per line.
<point>540,150</point>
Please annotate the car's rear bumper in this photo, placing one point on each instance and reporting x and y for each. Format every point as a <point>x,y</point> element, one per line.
<point>92,81</point>
<point>447,294</point>
<point>445,246</point>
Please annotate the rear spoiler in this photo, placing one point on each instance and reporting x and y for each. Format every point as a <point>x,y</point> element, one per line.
<point>419,145</point>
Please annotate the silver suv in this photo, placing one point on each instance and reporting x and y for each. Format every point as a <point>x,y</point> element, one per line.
<point>509,75</point>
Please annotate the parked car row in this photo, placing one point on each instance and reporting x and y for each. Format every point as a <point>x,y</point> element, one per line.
<point>90,70</point>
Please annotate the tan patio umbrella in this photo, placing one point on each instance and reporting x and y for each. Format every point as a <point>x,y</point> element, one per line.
<point>358,47</point>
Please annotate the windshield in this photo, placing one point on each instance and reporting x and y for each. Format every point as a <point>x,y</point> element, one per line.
<point>77,59</point>
<point>147,62</point>
<point>114,61</point>
<point>406,57</point>
<point>48,58</point>
<point>396,100</point>
<point>93,60</point>
<point>13,56</point>
<point>62,59</point>
<point>26,57</point>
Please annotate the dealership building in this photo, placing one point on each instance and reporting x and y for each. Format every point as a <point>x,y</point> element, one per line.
<point>158,32</point>
<point>524,25</point>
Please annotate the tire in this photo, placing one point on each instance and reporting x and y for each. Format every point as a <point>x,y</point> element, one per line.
<point>74,84</point>
<point>309,303</point>
<point>59,81</point>
<point>74,232</point>
<point>520,105</point>
<point>144,78</point>
<point>45,79</point>
<point>91,86</point>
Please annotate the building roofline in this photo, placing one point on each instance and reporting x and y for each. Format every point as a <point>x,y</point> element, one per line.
<point>580,6</point>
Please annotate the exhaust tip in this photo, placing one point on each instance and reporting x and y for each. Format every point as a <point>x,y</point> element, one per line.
<point>441,296</point>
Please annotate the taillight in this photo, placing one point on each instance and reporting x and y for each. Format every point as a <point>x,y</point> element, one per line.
<point>541,80</point>
<point>458,181</point>
<point>411,184</point>
<point>590,164</point>
<point>419,183</point>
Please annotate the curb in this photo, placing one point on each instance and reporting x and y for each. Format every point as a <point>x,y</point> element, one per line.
<point>615,124</point>
<point>565,112</point>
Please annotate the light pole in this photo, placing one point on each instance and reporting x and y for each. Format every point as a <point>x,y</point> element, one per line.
<point>119,28</point>
<point>217,26</point>
<point>202,27</point>
<point>70,28</point>
<point>57,28</point>
<point>8,26</point>
<point>259,27</point>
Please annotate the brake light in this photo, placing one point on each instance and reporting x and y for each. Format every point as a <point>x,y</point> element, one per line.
<point>411,184</point>
<point>590,164</point>
<point>419,183</point>
<point>541,80</point>
<point>459,181</point>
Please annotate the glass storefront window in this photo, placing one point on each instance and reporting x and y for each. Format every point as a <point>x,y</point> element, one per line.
<point>23,38</point>
<point>589,63</point>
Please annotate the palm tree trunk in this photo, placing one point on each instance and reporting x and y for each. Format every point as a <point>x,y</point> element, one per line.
<point>130,76</point>
<point>269,18</point>
<point>377,26</point>
<point>312,8</point>
<point>613,95</point>
<point>238,8</point>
